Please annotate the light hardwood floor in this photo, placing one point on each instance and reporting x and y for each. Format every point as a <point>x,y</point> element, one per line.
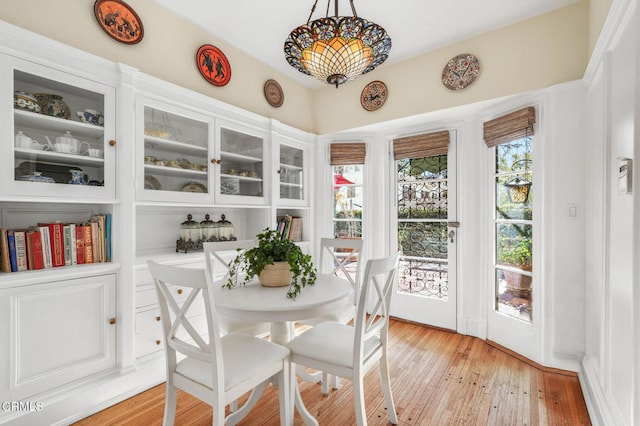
<point>438,378</point>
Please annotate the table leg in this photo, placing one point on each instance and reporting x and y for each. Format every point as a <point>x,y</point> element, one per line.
<point>281,333</point>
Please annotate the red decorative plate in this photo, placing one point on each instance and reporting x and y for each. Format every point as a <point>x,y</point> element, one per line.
<point>119,20</point>
<point>213,65</point>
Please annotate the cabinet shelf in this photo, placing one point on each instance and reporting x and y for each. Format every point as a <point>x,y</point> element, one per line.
<point>173,146</point>
<point>291,185</point>
<point>57,157</point>
<point>290,167</point>
<point>60,273</point>
<point>51,124</point>
<point>174,171</point>
<point>240,178</point>
<point>239,157</point>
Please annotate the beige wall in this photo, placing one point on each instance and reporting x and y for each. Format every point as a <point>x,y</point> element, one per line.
<point>167,51</point>
<point>530,55</point>
<point>533,54</point>
<point>598,12</point>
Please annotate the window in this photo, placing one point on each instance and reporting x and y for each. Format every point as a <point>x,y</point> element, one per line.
<point>513,228</point>
<point>347,201</point>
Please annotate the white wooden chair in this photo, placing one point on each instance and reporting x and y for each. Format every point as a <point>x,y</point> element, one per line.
<point>218,255</point>
<point>351,351</point>
<point>337,257</point>
<point>217,370</point>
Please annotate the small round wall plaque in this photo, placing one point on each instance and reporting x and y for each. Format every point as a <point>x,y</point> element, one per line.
<point>213,65</point>
<point>273,93</point>
<point>461,71</point>
<point>119,20</point>
<point>373,95</point>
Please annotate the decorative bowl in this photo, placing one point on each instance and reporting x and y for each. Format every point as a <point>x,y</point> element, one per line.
<point>25,101</point>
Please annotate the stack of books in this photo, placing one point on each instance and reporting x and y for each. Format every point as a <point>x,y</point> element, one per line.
<point>290,227</point>
<point>50,245</point>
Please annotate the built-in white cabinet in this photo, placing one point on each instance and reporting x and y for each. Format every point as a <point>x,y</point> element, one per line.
<point>243,164</point>
<point>174,153</point>
<point>60,133</point>
<point>58,331</point>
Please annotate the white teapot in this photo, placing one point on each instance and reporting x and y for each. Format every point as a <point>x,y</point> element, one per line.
<point>25,142</point>
<point>66,143</point>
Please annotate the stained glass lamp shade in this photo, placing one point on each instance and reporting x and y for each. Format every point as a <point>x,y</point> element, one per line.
<point>337,49</point>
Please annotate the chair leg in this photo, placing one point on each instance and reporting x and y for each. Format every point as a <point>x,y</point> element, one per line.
<point>254,396</point>
<point>358,397</point>
<point>336,382</point>
<point>386,389</point>
<point>324,387</point>
<point>286,396</point>
<point>171,397</point>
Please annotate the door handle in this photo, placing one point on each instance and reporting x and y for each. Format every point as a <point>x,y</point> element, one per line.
<point>452,235</point>
<point>453,224</point>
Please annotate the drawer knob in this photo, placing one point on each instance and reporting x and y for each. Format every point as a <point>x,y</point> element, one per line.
<point>179,291</point>
<point>112,321</point>
<point>157,318</point>
<point>112,143</point>
<point>158,342</point>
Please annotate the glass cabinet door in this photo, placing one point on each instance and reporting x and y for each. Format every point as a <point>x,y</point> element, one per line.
<point>175,154</point>
<point>63,136</point>
<point>290,171</point>
<point>242,165</point>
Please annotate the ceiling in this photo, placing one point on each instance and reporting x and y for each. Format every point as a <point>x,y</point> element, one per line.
<point>260,27</point>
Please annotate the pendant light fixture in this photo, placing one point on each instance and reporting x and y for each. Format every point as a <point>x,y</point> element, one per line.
<point>337,49</point>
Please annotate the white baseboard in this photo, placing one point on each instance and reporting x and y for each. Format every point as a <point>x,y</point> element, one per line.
<point>601,411</point>
<point>82,401</point>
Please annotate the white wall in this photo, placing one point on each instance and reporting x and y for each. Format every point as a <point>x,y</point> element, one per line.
<point>611,342</point>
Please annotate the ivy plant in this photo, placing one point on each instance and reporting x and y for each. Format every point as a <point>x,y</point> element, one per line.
<point>273,247</point>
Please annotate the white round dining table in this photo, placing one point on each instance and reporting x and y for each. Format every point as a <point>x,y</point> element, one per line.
<point>254,302</point>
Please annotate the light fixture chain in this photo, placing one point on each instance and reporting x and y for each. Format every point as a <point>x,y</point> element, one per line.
<point>353,9</point>
<point>313,8</point>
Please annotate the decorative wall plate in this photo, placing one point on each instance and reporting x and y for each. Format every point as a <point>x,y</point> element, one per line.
<point>213,65</point>
<point>461,71</point>
<point>119,20</point>
<point>373,95</point>
<point>273,93</point>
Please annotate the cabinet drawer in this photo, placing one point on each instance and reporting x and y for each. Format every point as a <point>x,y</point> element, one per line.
<point>149,336</point>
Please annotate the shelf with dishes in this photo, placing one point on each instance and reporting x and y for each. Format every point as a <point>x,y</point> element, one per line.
<point>174,171</point>
<point>161,144</point>
<point>55,124</point>
<point>58,157</point>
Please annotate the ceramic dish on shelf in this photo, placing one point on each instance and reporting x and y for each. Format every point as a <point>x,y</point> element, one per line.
<point>194,187</point>
<point>150,182</point>
<point>36,177</point>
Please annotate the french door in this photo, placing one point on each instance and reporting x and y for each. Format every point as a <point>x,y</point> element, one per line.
<point>424,227</point>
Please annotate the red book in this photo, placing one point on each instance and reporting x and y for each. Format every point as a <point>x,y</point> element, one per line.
<point>34,250</point>
<point>56,236</point>
<point>80,244</point>
<point>88,244</point>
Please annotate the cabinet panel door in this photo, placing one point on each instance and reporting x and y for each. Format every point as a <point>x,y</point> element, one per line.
<point>57,332</point>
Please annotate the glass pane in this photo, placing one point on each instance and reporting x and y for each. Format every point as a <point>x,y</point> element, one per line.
<point>513,244</point>
<point>241,170</point>
<point>59,132</point>
<point>347,175</point>
<point>347,202</point>
<point>510,206</point>
<point>513,294</point>
<point>422,168</point>
<point>424,277</point>
<point>290,172</point>
<point>422,188</point>
<point>514,156</point>
<point>423,239</point>
<point>347,229</point>
<point>175,152</point>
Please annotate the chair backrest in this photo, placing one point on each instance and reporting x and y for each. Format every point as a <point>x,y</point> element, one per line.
<point>216,261</point>
<point>344,255</point>
<point>379,280</point>
<point>179,332</point>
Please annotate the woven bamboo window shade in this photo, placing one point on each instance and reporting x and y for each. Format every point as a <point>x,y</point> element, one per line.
<point>343,154</point>
<point>418,146</point>
<point>515,125</point>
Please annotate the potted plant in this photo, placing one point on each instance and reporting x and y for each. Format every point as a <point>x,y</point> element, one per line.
<point>274,252</point>
<point>517,253</point>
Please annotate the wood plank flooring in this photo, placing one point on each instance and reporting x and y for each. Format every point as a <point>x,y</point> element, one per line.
<point>438,378</point>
